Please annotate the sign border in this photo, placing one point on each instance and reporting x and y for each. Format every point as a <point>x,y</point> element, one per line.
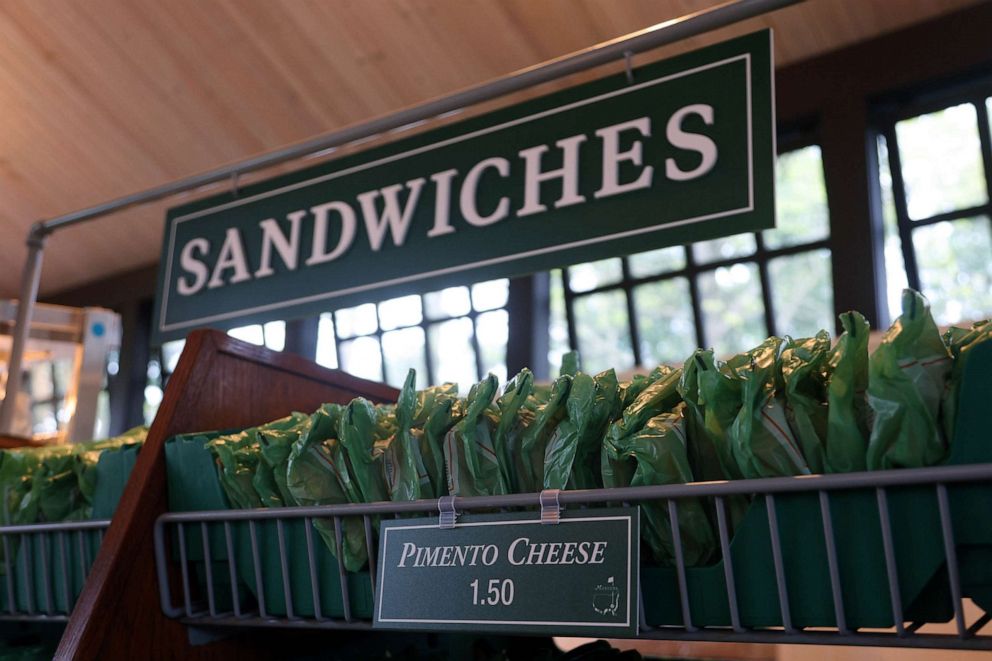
<point>530,521</point>
<point>165,327</point>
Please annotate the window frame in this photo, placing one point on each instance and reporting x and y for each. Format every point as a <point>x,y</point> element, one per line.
<point>789,139</point>
<point>889,111</point>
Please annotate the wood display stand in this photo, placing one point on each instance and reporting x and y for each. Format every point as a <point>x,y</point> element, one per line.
<point>12,442</point>
<point>218,383</point>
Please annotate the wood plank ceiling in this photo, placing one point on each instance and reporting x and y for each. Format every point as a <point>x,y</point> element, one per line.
<point>103,98</point>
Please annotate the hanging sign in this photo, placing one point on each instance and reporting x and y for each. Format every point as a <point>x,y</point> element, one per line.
<point>510,572</point>
<point>681,153</point>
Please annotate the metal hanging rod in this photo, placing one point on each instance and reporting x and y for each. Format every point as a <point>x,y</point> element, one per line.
<point>618,49</point>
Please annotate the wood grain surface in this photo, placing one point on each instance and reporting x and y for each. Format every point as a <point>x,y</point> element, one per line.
<point>219,382</point>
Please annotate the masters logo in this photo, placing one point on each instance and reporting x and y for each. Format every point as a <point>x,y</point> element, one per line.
<point>606,598</point>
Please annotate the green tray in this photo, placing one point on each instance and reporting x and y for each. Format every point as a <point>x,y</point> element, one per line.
<point>194,486</point>
<point>918,546</point>
<point>39,554</point>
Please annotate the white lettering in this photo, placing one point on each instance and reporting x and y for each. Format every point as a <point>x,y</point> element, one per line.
<point>568,554</point>
<point>409,549</point>
<point>397,221</point>
<point>568,173</point>
<point>272,237</point>
<point>467,197</point>
<point>442,203</point>
<point>191,264</point>
<point>232,256</point>
<point>318,253</point>
<point>536,555</point>
<point>598,550</point>
<point>583,553</point>
<point>690,141</point>
<point>489,555</point>
<point>613,157</point>
<point>510,553</point>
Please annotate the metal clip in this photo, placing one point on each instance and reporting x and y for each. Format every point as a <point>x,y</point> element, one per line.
<point>448,514</point>
<point>550,506</point>
<point>234,184</point>
<point>627,56</point>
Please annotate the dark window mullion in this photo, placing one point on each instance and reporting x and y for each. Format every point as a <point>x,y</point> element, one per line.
<point>951,216</point>
<point>378,336</point>
<point>428,358</point>
<point>632,327</point>
<point>902,211</point>
<point>573,338</point>
<point>985,138</point>
<point>337,339</point>
<point>761,259</point>
<point>472,316</point>
<point>697,311</point>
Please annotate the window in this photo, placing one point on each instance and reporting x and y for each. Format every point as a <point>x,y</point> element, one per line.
<point>728,293</point>
<point>935,180</point>
<point>457,334</point>
<point>160,367</point>
<point>47,384</point>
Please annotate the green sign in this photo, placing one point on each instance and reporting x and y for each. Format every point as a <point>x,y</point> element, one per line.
<point>684,152</point>
<point>512,573</point>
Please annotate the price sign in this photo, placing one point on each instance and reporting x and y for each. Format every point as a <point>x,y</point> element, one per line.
<point>510,572</point>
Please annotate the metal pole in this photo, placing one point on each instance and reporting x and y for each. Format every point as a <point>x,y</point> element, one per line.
<point>613,50</point>
<point>30,281</point>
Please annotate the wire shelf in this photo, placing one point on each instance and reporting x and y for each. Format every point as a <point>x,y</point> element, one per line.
<point>267,567</point>
<point>43,568</point>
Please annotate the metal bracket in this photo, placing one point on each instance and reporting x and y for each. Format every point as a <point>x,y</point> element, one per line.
<point>550,506</point>
<point>448,513</point>
<point>235,190</point>
<point>628,55</point>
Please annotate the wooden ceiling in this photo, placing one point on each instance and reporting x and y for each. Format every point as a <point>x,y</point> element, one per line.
<point>103,98</point>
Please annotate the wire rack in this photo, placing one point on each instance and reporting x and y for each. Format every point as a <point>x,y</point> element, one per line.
<point>938,504</point>
<point>44,567</point>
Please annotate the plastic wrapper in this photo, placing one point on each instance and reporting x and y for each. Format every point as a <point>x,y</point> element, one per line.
<point>317,474</point>
<point>364,431</point>
<point>17,466</point>
<point>55,494</point>
<point>907,375</point>
<point>760,437</point>
<point>631,390</point>
<point>275,444</point>
<point>534,441</point>
<point>514,417</point>
<point>469,451</point>
<point>88,457</point>
<point>442,418</point>
<point>713,399</point>
<point>847,404</point>
<point>237,456</point>
<point>58,483</point>
<point>435,414</point>
<point>572,457</point>
<point>804,374</point>
<point>960,342</point>
<point>247,480</point>
<point>403,466</point>
<point>570,364</point>
<point>660,396</point>
<point>656,454</point>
